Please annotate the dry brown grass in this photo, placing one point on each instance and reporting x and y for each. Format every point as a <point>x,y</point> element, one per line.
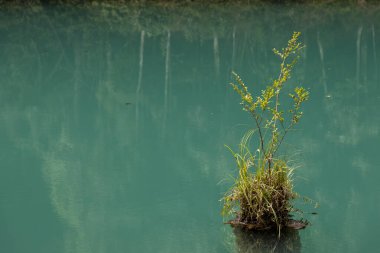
<point>260,198</point>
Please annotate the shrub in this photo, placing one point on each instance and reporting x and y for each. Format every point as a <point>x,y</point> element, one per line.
<point>262,193</point>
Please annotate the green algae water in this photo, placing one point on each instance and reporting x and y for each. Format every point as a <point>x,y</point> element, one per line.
<point>113,121</point>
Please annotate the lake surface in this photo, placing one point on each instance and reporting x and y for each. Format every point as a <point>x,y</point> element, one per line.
<point>113,122</point>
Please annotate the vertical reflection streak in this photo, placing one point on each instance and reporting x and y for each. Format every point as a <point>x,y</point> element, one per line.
<point>138,89</point>
<point>167,69</point>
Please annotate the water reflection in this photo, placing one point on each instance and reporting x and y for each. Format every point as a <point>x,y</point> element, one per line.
<point>124,113</point>
<point>267,241</point>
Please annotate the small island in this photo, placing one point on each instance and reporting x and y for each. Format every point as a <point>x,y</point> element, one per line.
<point>263,190</point>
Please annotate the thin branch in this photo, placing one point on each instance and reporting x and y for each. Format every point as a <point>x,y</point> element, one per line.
<point>259,129</point>
<point>283,136</point>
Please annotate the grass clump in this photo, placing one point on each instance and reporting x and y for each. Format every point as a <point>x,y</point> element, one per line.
<point>263,190</point>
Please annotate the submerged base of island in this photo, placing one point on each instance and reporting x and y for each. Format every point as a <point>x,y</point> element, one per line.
<point>290,224</point>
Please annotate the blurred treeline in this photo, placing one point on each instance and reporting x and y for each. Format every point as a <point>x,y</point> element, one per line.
<point>189,2</point>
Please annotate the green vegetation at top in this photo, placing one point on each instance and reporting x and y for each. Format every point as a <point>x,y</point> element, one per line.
<point>195,1</point>
<point>262,193</point>
<point>196,19</point>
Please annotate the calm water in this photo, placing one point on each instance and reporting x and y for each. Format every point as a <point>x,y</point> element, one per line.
<point>113,123</point>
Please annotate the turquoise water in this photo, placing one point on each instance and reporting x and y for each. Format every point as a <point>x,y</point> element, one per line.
<point>113,122</point>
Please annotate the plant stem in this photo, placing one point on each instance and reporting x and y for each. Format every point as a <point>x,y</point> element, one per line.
<point>259,129</point>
